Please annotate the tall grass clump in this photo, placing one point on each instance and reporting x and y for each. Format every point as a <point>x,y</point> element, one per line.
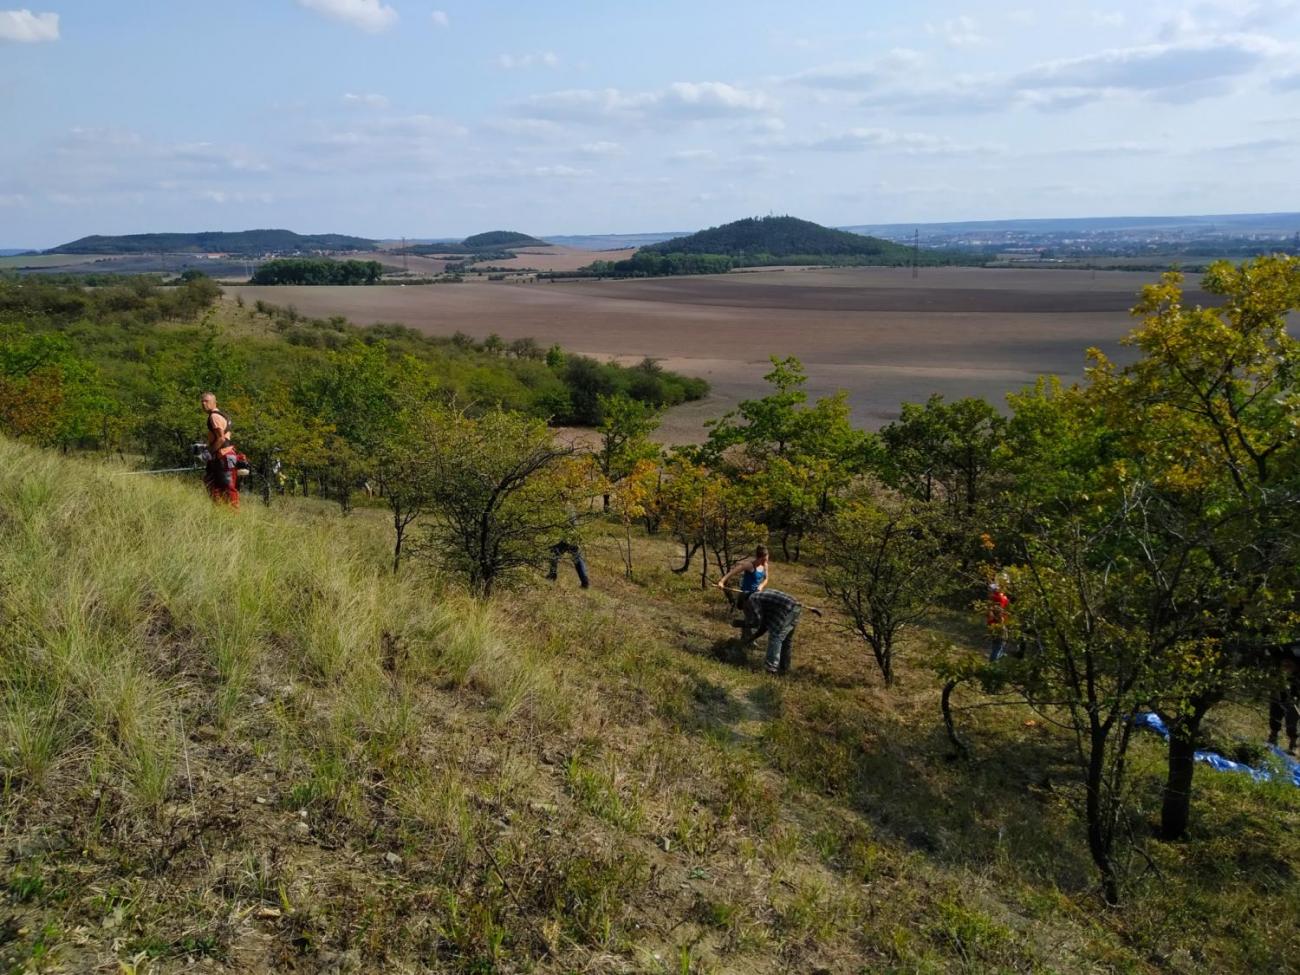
<point>136,613</point>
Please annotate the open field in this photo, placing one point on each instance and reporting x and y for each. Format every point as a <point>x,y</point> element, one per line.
<point>23,262</point>
<point>415,263</point>
<point>560,258</point>
<point>876,332</point>
<point>534,258</point>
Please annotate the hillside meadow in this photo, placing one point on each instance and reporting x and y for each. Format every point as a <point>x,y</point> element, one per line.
<point>239,743</point>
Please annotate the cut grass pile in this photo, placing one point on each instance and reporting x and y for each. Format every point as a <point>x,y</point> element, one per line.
<point>237,743</point>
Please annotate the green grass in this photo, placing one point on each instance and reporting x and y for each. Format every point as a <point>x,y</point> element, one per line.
<point>240,740</point>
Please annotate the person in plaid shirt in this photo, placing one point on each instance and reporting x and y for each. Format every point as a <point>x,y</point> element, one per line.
<point>776,614</point>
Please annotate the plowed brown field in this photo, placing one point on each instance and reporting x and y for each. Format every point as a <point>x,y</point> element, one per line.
<point>876,332</point>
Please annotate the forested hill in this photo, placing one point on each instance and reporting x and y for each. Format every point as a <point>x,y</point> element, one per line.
<point>248,242</point>
<point>779,237</point>
<point>502,238</point>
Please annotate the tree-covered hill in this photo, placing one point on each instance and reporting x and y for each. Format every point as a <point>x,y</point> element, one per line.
<point>490,242</point>
<point>502,238</point>
<point>779,237</point>
<point>248,242</point>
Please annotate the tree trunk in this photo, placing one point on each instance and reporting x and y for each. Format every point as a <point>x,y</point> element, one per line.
<point>688,554</point>
<point>1175,810</point>
<point>1099,838</point>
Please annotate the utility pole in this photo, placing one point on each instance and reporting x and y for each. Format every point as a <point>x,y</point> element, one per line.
<point>405,266</point>
<point>916,253</point>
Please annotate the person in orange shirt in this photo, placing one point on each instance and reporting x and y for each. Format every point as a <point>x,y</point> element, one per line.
<point>997,622</point>
<point>219,475</point>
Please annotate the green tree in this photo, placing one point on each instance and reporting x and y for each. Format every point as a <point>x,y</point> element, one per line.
<point>943,450</point>
<point>1208,417</point>
<point>799,458</point>
<point>885,564</point>
<point>499,494</point>
<point>625,429</point>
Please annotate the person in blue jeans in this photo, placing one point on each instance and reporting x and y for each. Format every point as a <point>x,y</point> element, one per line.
<point>561,549</point>
<point>570,544</point>
<point>776,614</point>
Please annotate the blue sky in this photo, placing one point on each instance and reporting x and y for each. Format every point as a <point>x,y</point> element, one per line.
<point>443,118</point>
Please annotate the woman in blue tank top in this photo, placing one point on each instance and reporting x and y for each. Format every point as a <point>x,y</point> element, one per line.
<point>754,574</point>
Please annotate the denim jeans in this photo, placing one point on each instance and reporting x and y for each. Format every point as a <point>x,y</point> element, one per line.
<point>997,644</point>
<point>780,643</point>
<point>579,564</point>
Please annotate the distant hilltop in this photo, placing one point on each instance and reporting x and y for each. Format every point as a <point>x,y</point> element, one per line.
<point>248,243</point>
<point>502,238</point>
<point>777,237</point>
<point>490,242</point>
<point>763,242</point>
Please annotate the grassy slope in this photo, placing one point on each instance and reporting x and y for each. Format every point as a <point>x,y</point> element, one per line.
<point>235,740</point>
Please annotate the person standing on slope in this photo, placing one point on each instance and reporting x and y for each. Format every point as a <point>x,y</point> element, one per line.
<point>219,474</point>
<point>997,622</point>
<point>1284,702</point>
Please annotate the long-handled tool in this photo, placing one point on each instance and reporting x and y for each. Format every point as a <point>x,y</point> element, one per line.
<point>165,470</point>
<point>812,609</point>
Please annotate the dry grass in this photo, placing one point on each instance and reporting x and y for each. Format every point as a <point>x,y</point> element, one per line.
<point>239,741</point>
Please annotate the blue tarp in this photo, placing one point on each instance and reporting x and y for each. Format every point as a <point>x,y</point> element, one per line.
<point>1290,766</point>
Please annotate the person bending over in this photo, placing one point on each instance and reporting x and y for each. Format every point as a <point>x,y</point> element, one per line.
<point>777,614</point>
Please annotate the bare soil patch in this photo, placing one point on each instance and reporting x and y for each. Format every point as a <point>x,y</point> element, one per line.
<point>875,332</point>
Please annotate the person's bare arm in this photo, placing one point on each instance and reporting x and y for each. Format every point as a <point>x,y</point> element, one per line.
<point>738,568</point>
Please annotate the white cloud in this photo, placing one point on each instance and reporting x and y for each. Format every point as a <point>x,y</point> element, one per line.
<point>368,15</point>
<point>382,142</point>
<point>440,18</point>
<point>1287,82</point>
<point>25,27</point>
<point>958,32</point>
<point>602,148</point>
<point>1183,71</point>
<point>1153,67</point>
<point>560,172</point>
<point>1227,16</point>
<point>683,101</point>
<point>886,140</point>
<point>693,156</point>
<point>1108,18</point>
<point>539,59</point>
<point>859,76</point>
<point>365,100</point>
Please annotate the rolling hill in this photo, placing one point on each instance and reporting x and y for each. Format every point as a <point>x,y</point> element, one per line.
<point>779,237</point>
<point>496,239</point>
<point>244,242</point>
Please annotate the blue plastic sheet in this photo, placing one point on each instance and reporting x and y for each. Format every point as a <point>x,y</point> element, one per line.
<point>1290,766</point>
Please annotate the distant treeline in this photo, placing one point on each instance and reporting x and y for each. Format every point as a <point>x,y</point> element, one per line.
<point>119,367</point>
<point>250,243</point>
<point>317,270</point>
<point>650,264</point>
